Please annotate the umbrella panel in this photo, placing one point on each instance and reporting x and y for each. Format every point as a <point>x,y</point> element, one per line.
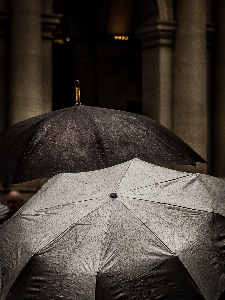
<point>128,268</point>
<point>168,280</point>
<point>72,212</point>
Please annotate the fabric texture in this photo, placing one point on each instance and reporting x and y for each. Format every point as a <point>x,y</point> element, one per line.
<point>132,231</point>
<point>82,138</point>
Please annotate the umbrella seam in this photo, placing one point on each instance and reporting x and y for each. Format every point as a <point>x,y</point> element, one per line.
<point>174,205</point>
<point>190,275</point>
<point>37,252</point>
<point>149,229</point>
<point>167,259</point>
<point>9,293</point>
<point>124,174</point>
<point>103,244</point>
<point>63,205</point>
<point>56,239</point>
<point>205,186</point>
<point>23,150</point>
<point>157,183</point>
<point>194,242</point>
<point>172,145</point>
<point>102,147</point>
<point>38,125</point>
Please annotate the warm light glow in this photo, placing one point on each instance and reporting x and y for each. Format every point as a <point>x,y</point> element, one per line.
<point>121,37</point>
<point>59,41</point>
<point>68,39</point>
<point>120,17</point>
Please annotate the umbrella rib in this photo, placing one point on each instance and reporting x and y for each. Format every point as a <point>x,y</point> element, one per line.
<point>155,235</point>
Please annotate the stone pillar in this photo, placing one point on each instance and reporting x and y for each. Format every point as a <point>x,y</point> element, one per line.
<point>219,95</point>
<point>190,119</point>
<point>3,54</point>
<point>210,92</point>
<point>25,60</point>
<point>49,22</point>
<point>157,59</point>
<point>3,96</point>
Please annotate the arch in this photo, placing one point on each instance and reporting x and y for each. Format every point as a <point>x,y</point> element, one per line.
<point>120,16</point>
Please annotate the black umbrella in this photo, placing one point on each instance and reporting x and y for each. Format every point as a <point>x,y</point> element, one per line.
<point>82,138</point>
<point>132,231</point>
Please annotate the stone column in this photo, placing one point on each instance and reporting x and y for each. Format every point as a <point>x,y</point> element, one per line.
<point>219,95</point>
<point>49,22</point>
<point>3,54</point>
<point>157,59</point>
<point>25,60</point>
<point>210,92</point>
<point>30,81</point>
<point>3,96</point>
<point>190,119</point>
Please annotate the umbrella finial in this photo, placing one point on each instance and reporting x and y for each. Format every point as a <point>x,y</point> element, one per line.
<point>77,92</point>
<point>113,195</point>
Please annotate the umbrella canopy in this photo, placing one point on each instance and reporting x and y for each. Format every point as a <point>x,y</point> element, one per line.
<point>132,231</point>
<point>82,138</point>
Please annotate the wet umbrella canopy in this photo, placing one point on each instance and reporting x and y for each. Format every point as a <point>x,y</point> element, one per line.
<point>82,138</point>
<point>132,231</point>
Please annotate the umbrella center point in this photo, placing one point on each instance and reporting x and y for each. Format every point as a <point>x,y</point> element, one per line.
<point>113,195</point>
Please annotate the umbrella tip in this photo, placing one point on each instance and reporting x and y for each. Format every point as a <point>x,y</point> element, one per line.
<point>77,92</point>
<point>113,195</point>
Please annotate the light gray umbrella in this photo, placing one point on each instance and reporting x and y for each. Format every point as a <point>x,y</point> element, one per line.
<point>132,231</point>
